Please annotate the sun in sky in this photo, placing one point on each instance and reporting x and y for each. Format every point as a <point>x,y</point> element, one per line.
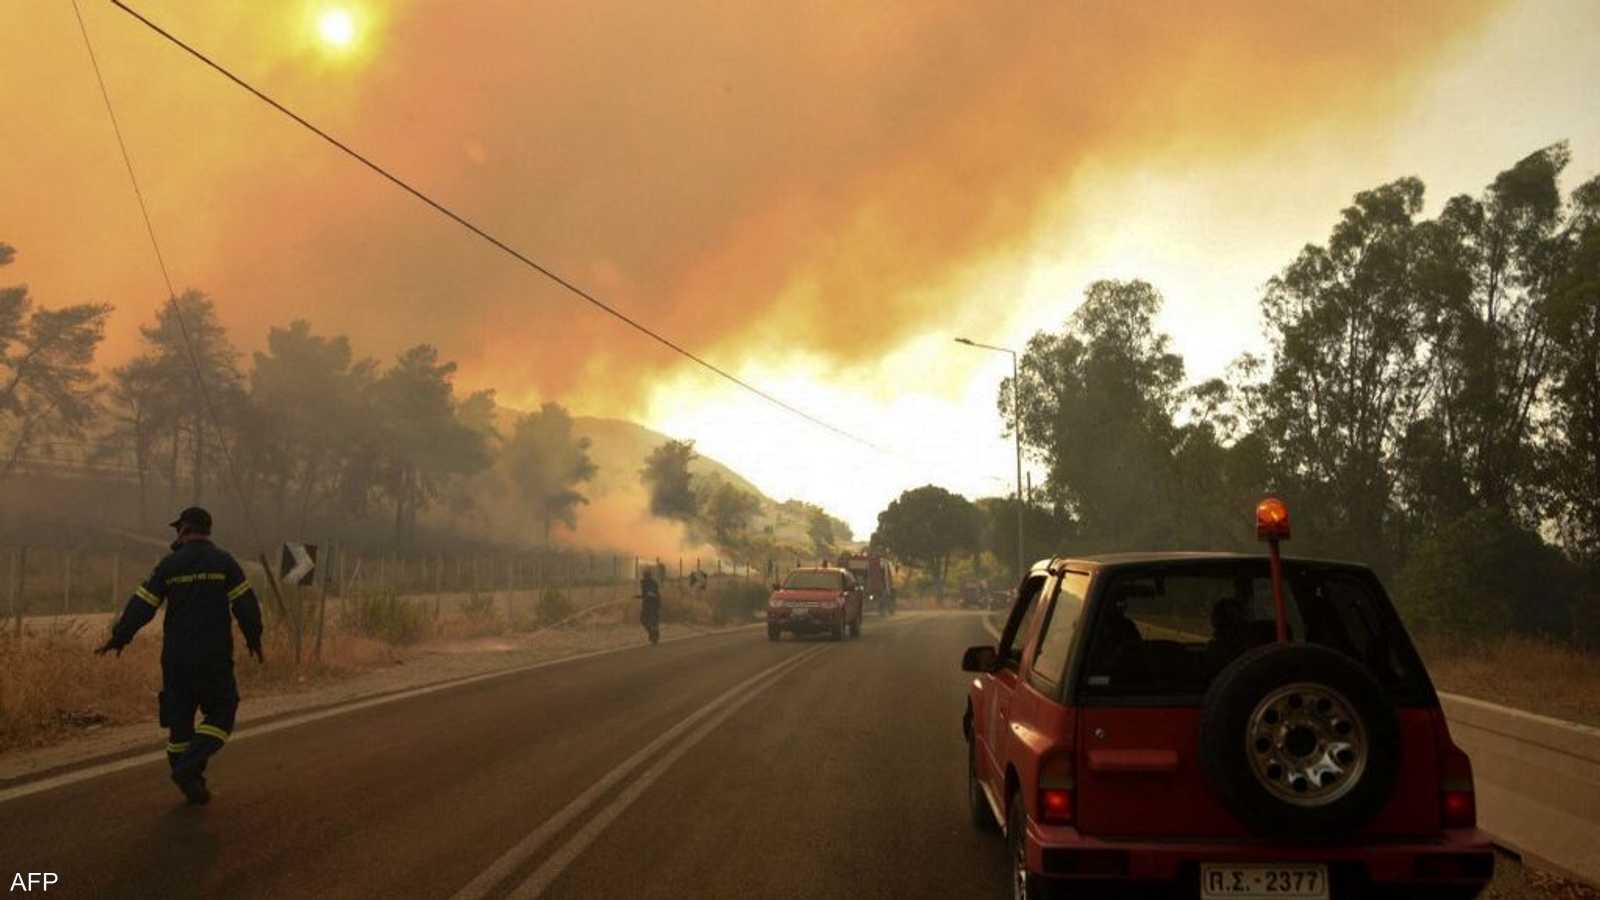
<point>336,27</point>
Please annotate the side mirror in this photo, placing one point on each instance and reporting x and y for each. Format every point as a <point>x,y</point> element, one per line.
<point>978,659</point>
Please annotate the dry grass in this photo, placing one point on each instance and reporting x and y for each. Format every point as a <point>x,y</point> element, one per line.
<point>1514,881</point>
<point>53,687</point>
<point>1536,675</point>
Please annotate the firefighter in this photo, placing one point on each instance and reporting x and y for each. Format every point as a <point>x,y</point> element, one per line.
<point>202,587</point>
<point>650,605</point>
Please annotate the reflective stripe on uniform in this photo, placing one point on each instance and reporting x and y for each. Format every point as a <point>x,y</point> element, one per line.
<point>212,731</point>
<point>198,576</point>
<point>178,748</point>
<point>146,596</point>
<point>240,591</point>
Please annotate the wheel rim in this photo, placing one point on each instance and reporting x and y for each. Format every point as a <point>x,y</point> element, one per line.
<point>1306,744</point>
<point>1019,858</point>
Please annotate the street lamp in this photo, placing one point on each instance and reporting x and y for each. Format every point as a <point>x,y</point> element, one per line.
<point>1016,428</point>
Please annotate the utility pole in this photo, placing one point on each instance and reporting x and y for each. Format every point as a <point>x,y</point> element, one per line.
<point>1016,430</point>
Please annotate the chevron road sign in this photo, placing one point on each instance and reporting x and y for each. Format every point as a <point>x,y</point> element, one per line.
<point>299,561</point>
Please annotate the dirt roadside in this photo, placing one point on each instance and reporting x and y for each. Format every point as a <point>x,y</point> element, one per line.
<point>419,667</point>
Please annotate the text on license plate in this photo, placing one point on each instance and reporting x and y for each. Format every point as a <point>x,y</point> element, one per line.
<point>1260,882</point>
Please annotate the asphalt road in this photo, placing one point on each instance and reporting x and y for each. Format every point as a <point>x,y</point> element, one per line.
<point>725,766</point>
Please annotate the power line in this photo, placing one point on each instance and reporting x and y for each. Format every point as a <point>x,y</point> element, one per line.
<point>172,294</point>
<point>445,211</point>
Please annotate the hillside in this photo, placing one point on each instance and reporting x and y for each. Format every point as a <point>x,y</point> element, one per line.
<point>617,514</point>
<point>619,448</point>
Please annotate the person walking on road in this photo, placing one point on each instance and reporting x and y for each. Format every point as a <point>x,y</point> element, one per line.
<point>650,605</point>
<point>204,590</point>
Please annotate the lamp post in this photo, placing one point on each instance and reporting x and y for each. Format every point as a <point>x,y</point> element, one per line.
<point>1016,428</point>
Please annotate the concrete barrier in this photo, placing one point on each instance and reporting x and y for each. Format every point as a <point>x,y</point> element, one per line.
<point>1538,782</point>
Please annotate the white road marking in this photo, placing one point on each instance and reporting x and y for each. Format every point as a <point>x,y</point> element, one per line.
<point>731,699</point>
<point>248,731</point>
<point>564,855</point>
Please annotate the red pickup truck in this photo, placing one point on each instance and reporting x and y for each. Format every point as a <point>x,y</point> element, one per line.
<point>814,600</point>
<point>1218,726</point>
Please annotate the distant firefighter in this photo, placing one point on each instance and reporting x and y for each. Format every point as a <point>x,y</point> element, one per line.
<point>201,585</point>
<point>650,605</point>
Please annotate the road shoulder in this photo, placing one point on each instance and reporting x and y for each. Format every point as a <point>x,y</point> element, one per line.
<point>428,669</point>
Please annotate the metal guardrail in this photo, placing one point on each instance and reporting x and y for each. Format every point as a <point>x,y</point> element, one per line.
<point>1537,780</point>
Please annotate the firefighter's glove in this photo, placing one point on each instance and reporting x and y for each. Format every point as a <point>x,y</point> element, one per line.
<point>110,645</point>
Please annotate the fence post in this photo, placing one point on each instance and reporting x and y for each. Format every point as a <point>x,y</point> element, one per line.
<point>66,581</point>
<point>116,578</point>
<point>19,566</point>
<point>322,612</point>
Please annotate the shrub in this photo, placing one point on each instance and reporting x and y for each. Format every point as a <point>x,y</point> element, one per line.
<point>386,617</point>
<point>737,601</point>
<point>554,606</point>
<point>478,606</point>
<point>1483,574</point>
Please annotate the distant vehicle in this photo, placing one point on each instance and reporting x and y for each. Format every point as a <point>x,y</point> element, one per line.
<point>1220,726</point>
<point>999,600</point>
<point>973,596</point>
<point>815,600</point>
<point>876,576</point>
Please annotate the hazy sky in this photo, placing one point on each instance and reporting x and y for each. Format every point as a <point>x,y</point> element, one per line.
<point>818,197</point>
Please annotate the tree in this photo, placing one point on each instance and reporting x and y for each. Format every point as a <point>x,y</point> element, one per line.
<point>187,374</point>
<point>309,392</point>
<point>667,477</point>
<point>728,511</point>
<point>547,463</point>
<point>423,443</point>
<point>1346,324</point>
<point>1097,402</point>
<point>925,526</point>
<point>46,386</point>
<point>819,528</point>
<point>1572,457</point>
<point>135,411</point>
<point>1046,530</point>
<point>1487,270</point>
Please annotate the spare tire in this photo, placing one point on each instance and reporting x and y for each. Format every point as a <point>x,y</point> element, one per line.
<point>1299,742</point>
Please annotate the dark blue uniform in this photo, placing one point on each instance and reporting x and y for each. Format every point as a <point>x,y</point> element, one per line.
<point>203,590</point>
<point>650,607</point>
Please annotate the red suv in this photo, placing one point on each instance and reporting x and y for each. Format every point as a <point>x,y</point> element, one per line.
<point>813,601</point>
<point>1217,726</point>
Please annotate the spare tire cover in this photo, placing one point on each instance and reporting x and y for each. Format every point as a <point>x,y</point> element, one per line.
<point>1299,742</point>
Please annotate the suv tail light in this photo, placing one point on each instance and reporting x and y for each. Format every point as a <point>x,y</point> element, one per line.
<point>1056,789</point>
<point>1458,806</point>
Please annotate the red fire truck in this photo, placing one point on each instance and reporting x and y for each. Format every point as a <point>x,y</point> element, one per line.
<point>876,575</point>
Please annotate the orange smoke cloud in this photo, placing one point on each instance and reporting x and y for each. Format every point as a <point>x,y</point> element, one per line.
<point>733,174</point>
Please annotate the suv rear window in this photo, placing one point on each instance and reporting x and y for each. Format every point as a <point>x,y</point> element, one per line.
<point>814,581</point>
<point>1166,631</point>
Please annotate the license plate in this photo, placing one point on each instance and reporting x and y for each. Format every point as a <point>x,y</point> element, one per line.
<point>1263,882</point>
